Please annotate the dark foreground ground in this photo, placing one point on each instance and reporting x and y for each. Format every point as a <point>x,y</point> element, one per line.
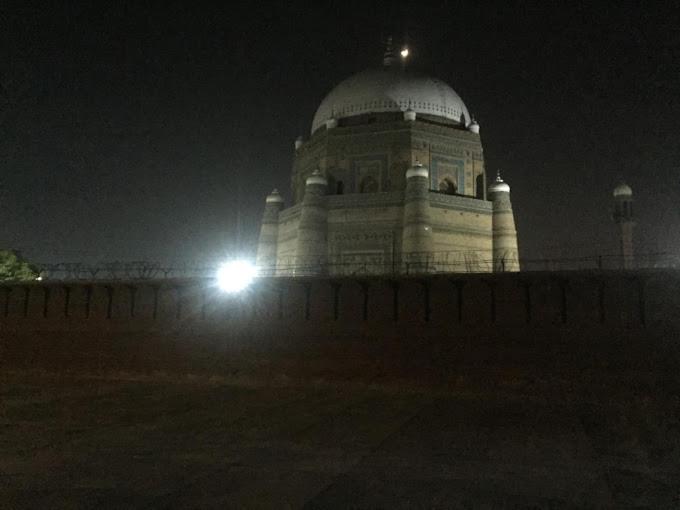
<point>160,442</point>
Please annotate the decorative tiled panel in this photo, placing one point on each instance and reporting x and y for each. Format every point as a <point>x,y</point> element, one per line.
<point>453,169</point>
<point>459,203</point>
<point>369,169</point>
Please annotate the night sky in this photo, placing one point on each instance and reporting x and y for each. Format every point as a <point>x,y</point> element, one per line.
<point>132,132</point>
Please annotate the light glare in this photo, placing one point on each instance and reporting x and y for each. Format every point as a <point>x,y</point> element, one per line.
<point>404,53</point>
<point>235,276</point>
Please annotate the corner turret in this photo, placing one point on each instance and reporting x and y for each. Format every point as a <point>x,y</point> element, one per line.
<point>267,245</point>
<point>417,243</point>
<point>312,247</point>
<point>505,253</point>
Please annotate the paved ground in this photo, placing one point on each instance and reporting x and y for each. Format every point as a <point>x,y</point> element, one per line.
<point>95,443</point>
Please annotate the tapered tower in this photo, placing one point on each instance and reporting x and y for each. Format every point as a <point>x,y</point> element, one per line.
<point>312,247</point>
<point>505,255</point>
<point>417,232</point>
<point>623,216</point>
<point>269,234</point>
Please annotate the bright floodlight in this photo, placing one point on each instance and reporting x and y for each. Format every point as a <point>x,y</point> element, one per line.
<point>404,53</point>
<point>235,276</point>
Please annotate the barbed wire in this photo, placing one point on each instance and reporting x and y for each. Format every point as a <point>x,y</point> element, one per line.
<point>454,261</point>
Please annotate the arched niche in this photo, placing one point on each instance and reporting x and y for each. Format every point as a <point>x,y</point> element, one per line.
<point>368,185</point>
<point>448,186</point>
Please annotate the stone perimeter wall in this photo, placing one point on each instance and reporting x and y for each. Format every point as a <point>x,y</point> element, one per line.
<point>357,328</point>
<point>345,305</point>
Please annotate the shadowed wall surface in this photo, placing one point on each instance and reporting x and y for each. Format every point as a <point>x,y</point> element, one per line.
<point>424,328</point>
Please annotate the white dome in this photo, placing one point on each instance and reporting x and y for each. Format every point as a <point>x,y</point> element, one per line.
<point>274,197</point>
<point>391,89</point>
<point>417,170</point>
<point>623,190</point>
<point>316,178</point>
<point>499,185</point>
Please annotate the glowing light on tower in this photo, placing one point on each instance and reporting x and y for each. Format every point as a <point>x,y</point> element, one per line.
<point>404,53</point>
<point>235,276</point>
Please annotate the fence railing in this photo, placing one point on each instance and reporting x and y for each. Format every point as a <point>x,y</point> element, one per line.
<point>138,270</point>
<point>438,262</point>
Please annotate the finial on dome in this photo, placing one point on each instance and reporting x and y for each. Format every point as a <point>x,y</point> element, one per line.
<point>316,178</point>
<point>275,197</point>
<point>388,58</point>
<point>499,185</point>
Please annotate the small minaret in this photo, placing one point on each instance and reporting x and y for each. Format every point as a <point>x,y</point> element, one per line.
<point>389,58</point>
<point>505,253</point>
<point>623,216</point>
<point>331,123</point>
<point>267,245</point>
<point>409,113</point>
<point>311,252</point>
<point>416,241</point>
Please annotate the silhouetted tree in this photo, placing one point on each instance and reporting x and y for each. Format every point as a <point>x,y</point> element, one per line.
<point>14,267</point>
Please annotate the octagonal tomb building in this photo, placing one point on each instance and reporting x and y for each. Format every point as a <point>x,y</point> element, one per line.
<point>390,181</point>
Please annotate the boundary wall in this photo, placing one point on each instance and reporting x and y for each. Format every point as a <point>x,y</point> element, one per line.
<point>323,325</point>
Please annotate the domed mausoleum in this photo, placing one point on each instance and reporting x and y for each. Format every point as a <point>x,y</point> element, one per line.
<point>390,181</point>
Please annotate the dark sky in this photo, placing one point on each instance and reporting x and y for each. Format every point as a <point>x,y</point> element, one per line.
<point>134,131</point>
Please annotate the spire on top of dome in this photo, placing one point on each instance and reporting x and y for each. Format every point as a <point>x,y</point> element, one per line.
<point>388,58</point>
